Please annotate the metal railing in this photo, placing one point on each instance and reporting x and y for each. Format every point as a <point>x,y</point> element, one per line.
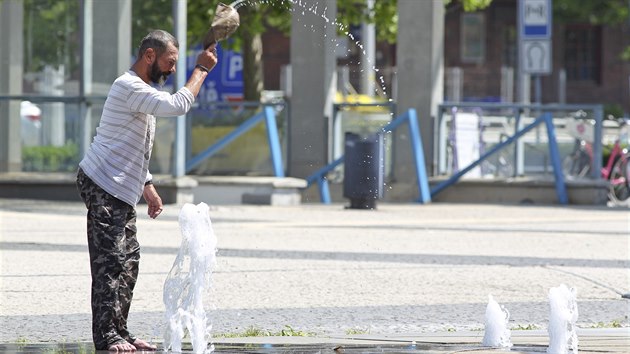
<point>83,124</point>
<point>553,152</point>
<point>84,133</point>
<point>54,99</point>
<point>516,113</point>
<point>409,117</point>
<point>269,117</point>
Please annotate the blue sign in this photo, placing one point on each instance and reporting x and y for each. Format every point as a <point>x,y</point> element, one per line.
<point>535,18</point>
<point>225,81</point>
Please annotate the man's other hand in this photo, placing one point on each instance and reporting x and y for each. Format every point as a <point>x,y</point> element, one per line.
<point>153,200</point>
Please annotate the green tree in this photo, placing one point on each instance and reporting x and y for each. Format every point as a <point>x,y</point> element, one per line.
<point>609,12</point>
<point>51,26</point>
<point>260,15</point>
<point>257,16</point>
<point>51,34</point>
<point>147,16</point>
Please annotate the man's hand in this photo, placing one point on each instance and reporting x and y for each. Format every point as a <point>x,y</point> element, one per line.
<point>153,199</point>
<point>208,59</point>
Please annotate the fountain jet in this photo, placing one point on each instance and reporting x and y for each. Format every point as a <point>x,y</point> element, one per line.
<point>497,334</point>
<point>563,315</point>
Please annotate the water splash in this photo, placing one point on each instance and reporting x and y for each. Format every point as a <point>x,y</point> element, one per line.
<point>189,281</point>
<point>563,314</point>
<point>302,7</point>
<point>497,334</point>
<point>238,3</point>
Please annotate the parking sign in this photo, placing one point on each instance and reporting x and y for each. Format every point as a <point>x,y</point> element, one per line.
<point>535,36</point>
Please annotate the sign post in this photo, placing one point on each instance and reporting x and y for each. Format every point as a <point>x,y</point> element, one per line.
<point>535,36</point>
<point>534,17</point>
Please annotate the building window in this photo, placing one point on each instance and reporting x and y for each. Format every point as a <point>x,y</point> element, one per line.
<point>509,49</point>
<point>582,53</point>
<point>473,38</point>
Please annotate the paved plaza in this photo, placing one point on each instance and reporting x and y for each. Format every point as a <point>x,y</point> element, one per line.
<point>401,271</point>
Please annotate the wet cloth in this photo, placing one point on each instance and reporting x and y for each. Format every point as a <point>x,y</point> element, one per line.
<point>114,259</point>
<point>118,158</point>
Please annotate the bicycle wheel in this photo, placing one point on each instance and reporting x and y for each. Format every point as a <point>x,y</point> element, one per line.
<point>619,190</point>
<point>576,165</point>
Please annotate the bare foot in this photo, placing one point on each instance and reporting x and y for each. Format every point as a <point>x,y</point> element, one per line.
<point>142,345</point>
<point>121,347</point>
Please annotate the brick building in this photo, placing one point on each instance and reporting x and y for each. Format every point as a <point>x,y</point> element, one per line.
<point>483,42</point>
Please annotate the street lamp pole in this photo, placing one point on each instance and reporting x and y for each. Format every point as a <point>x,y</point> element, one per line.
<point>180,19</point>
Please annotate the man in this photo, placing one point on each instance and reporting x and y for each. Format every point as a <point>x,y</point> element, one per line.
<point>114,174</point>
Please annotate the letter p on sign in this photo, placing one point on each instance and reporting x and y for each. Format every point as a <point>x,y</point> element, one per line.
<point>235,66</point>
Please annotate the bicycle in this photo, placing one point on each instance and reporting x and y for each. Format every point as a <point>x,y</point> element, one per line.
<point>579,162</point>
<point>616,171</point>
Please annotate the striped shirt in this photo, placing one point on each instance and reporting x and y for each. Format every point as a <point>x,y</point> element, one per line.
<point>118,158</point>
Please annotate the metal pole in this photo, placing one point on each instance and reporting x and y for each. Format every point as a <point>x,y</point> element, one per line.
<point>179,17</point>
<point>554,153</point>
<point>519,152</point>
<point>562,86</point>
<point>418,154</point>
<point>523,82</point>
<point>597,144</point>
<point>274,141</point>
<point>538,88</point>
<point>368,63</point>
<point>85,84</point>
<point>519,50</point>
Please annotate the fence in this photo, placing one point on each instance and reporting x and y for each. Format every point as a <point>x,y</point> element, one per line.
<point>553,152</point>
<point>410,117</point>
<point>79,116</point>
<point>497,121</point>
<point>269,117</point>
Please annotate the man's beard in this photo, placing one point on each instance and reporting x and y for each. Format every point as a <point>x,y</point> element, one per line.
<point>157,76</point>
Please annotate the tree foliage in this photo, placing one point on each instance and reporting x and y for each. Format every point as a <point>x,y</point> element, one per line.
<point>51,26</point>
<point>471,5</point>
<point>51,34</point>
<point>147,16</point>
<point>257,16</point>
<point>596,12</point>
<point>263,14</point>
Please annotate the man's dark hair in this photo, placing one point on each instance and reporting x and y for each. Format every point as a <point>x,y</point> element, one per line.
<point>158,40</point>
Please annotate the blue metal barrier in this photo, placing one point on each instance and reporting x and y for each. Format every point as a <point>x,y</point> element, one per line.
<point>553,152</point>
<point>269,117</point>
<point>517,111</point>
<point>418,152</point>
<point>322,182</point>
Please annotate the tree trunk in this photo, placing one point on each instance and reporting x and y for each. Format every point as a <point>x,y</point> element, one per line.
<point>252,66</point>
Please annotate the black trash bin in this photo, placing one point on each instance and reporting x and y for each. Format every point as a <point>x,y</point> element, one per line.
<point>363,170</point>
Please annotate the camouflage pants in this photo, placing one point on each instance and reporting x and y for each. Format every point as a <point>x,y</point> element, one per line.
<point>114,258</point>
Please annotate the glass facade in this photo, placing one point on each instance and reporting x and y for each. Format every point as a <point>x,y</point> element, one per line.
<point>52,98</point>
<point>54,85</point>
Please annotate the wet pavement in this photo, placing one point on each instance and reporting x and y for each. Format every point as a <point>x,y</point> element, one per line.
<point>402,273</point>
<point>592,341</point>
